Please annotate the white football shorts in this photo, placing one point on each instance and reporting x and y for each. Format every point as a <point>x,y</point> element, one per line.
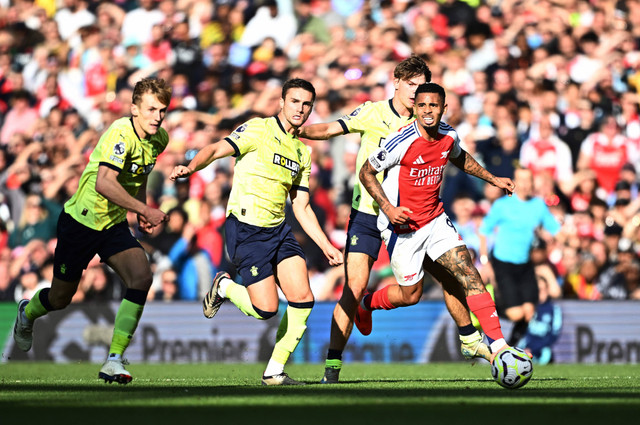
<point>408,250</point>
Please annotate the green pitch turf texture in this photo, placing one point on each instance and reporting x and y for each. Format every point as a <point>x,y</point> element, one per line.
<point>452,393</point>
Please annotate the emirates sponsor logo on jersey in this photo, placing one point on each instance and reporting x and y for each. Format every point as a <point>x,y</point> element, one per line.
<point>426,176</point>
<point>287,163</point>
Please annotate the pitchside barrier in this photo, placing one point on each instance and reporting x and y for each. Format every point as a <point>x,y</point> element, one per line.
<point>592,332</point>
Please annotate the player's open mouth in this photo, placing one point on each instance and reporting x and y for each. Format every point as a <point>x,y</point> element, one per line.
<point>429,120</point>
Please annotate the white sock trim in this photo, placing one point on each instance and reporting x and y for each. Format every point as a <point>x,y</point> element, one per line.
<point>497,345</point>
<point>273,368</point>
<point>222,287</point>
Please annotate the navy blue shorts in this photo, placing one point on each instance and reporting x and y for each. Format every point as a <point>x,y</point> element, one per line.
<point>78,244</point>
<point>363,235</point>
<point>256,251</point>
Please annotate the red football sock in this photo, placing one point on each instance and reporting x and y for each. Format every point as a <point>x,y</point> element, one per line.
<point>484,308</point>
<point>379,300</point>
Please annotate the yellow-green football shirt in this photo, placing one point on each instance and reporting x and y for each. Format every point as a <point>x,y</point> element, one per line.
<point>270,162</point>
<point>121,149</point>
<point>374,121</point>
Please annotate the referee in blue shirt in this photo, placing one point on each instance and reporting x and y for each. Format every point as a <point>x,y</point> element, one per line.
<point>514,223</point>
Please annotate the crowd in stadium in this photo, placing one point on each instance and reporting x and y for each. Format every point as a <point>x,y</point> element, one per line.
<point>550,85</point>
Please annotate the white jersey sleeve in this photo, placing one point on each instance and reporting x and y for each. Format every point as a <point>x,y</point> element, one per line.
<point>392,149</point>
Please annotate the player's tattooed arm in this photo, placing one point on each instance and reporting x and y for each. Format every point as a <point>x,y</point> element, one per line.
<point>469,165</point>
<point>458,262</point>
<point>396,215</point>
<point>373,186</point>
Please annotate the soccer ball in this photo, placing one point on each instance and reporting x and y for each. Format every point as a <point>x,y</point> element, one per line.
<point>512,368</point>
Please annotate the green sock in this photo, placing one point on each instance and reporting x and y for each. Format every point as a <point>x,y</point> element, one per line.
<point>290,331</point>
<point>333,364</point>
<point>35,309</point>
<point>125,325</point>
<point>240,297</point>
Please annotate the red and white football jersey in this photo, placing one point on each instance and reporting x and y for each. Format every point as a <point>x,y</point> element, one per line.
<point>552,156</point>
<point>607,157</point>
<point>414,168</point>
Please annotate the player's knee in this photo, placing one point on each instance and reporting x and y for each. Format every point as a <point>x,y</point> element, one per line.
<point>358,288</point>
<point>264,315</point>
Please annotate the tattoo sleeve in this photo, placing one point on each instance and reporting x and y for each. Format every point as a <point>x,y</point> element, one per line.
<point>469,165</point>
<point>370,182</point>
<point>458,262</point>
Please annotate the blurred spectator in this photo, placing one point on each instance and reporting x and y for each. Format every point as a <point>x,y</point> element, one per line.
<point>138,22</point>
<point>585,185</point>
<point>612,282</point>
<point>192,264</point>
<point>545,270</point>
<point>582,284</point>
<point>20,118</point>
<point>464,208</point>
<point>546,153</point>
<point>586,116</point>
<point>7,283</point>
<point>502,153</point>
<point>38,221</point>
<point>187,57</point>
<point>167,233</point>
<point>73,16</point>
<point>269,21</point>
<point>544,328</point>
<point>98,285</point>
<point>605,152</point>
<point>169,287</point>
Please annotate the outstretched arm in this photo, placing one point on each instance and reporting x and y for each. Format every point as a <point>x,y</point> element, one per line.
<point>469,165</point>
<point>204,157</point>
<point>396,215</point>
<point>321,131</point>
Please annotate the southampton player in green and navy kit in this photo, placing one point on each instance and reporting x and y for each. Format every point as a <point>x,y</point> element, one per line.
<point>374,121</point>
<point>94,222</point>
<point>271,164</point>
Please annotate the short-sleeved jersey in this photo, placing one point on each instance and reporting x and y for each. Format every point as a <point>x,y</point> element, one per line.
<point>607,157</point>
<point>121,149</point>
<point>515,221</point>
<point>414,168</point>
<point>551,156</point>
<point>374,121</point>
<point>270,163</point>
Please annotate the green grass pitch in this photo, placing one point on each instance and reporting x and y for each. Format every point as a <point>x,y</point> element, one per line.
<point>185,394</point>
